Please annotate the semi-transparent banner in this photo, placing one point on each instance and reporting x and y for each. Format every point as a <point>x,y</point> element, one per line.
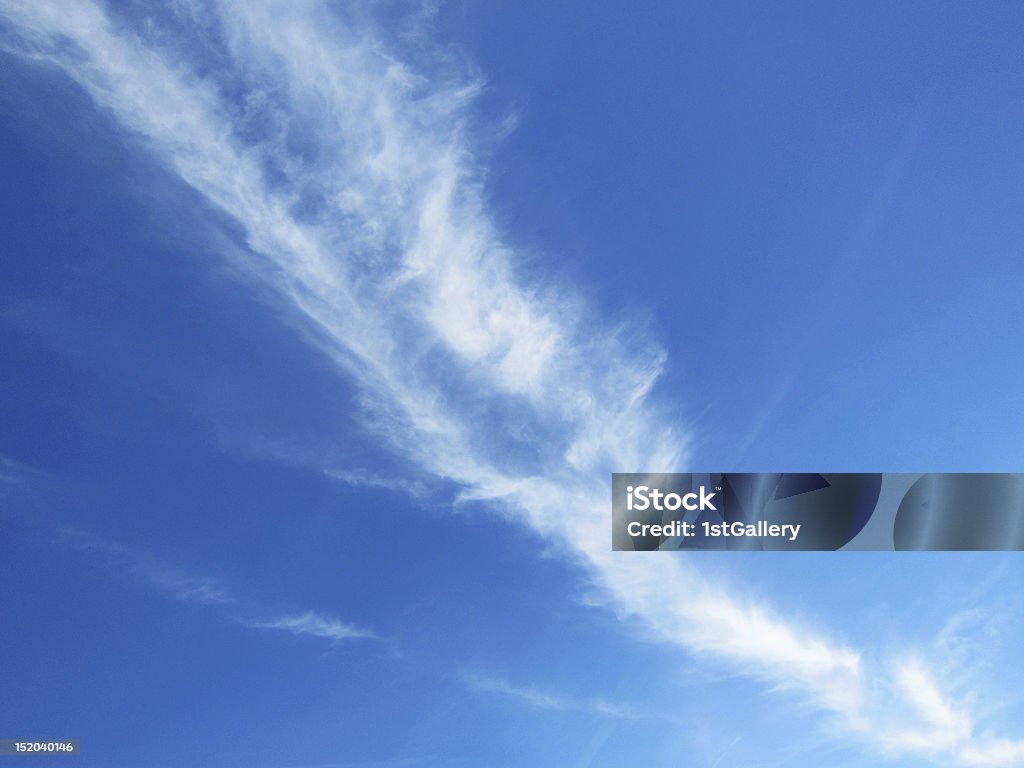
<point>806,511</point>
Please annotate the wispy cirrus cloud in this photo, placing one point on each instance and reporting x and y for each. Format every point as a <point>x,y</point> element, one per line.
<point>534,697</point>
<point>360,477</point>
<point>141,567</point>
<point>313,624</point>
<point>179,584</point>
<point>355,182</point>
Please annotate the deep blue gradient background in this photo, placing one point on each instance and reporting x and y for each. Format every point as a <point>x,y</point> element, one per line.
<point>815,209</point>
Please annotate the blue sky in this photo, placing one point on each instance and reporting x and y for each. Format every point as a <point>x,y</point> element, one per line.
<point>324,326</point>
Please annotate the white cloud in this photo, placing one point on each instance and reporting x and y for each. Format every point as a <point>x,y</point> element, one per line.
<point>314,624</point>
<point>177,584</point>
<point>539,699</point>
<point>166,579</point>
<point>941,724</point>
<point>354,181</point>
<point>364,478</point>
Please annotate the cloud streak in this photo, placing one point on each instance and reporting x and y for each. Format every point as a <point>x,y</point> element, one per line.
<point>355,183</point>
<point>168,580</point>
<point>548,701</point>
<point>177,584</point>
<point>312,624</point>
